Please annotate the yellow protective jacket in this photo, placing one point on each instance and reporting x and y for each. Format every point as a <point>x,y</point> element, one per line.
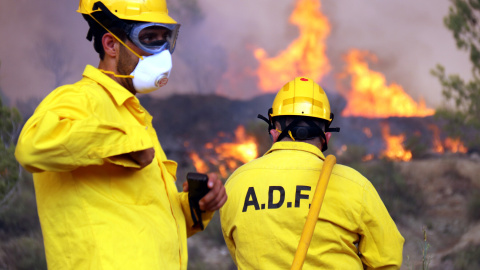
<point>97,209</point>
<point>268,202</point>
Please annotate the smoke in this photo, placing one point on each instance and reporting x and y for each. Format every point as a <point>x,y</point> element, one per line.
<point>35,33</point>
<point>215,48</point>
<point>407,36</point>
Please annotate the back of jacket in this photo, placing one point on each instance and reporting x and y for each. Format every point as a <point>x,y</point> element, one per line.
<point>268,202</point>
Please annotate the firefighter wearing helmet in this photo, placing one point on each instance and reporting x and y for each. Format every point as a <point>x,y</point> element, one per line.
<point>270,197</point>
<point>105,190</point>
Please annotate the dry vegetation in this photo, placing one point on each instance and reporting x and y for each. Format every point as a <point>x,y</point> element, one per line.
<point>449,187</point>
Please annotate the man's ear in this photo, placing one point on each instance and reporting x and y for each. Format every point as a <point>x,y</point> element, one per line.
<point>274,133</point>
<point>327,136</point>
<point>110,45</point>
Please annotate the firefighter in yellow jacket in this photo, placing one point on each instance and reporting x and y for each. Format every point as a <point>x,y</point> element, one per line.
<point>105,190</point>
<point>269,198</point>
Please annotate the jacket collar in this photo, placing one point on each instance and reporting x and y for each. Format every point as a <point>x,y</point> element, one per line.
<point>119,93</point>
<point>299,146</point>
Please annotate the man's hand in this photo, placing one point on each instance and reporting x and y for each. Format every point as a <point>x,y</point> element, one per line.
<point>144,157</point>
<point>215,198</point>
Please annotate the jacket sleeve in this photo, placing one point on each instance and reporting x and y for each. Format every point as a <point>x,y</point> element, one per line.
<point>206,216</point>
<point>68,130</point>
<point>381,243</point>
<point>225,220</point>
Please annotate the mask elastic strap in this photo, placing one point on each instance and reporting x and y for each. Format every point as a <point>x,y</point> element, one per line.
<point>290,134</point>
<point>287,130</point>
<point>116,75</point>
<point>98,3</point>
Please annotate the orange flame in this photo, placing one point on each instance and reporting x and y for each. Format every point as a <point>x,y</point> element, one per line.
<point>450,144</point>
<point>244,148</point>
<point>368,157</point>
<point>227,156</point>
<point>455,145</point>
<point>371,97</point>
<point>367,132</point>
<point>394,150</point>
<point>305,56</point>
<point>437,142</point>
<point>341,150</point>
<point>198,163</point>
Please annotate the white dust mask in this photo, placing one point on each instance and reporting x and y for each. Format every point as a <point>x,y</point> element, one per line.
<point>152,72</point>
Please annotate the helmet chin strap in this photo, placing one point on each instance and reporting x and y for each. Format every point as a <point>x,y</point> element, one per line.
<point>296,132</point>
<point>115,75</point>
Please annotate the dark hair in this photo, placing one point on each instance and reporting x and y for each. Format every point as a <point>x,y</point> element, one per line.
<point>285,120</point>
<point>96,31</point>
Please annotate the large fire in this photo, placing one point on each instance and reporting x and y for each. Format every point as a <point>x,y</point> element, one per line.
<point>305,56</point>
<point>226,156</point>
<point>370,96</point>
<point>368,93</point>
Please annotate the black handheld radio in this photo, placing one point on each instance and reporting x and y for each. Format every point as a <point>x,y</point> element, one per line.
<point>197,189</point>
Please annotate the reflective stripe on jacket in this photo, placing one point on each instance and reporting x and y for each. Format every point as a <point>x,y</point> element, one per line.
<point>268,202</point>
<point>98,211</point>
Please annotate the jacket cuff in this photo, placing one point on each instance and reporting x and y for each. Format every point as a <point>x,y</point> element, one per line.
<point>206,216</point>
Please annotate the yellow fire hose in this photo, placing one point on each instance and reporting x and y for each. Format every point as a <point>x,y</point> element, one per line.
<point>312,216</point>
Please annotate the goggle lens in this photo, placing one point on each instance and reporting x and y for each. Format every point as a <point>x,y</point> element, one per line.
<point>154,38</point>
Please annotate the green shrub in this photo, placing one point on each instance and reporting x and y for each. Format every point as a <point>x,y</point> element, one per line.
<point>398,197</point>
<point>20,215</point>
<point>352,156</point>
<point>415,145</point>
<point>466,259</point>
<point>25,253</point>
<point>473,206</point>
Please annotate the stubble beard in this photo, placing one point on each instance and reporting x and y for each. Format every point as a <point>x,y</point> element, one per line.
<point>125,65</point>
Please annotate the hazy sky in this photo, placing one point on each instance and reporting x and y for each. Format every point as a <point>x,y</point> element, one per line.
<point>407,36</point>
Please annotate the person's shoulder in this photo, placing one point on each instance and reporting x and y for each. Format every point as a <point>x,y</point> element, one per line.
<point>80,92</point>
<point>350,174</point>
<point>79,87</point>
<point>244,169</point>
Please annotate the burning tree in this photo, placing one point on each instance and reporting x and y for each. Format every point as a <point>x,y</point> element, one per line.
<point>463,21</point>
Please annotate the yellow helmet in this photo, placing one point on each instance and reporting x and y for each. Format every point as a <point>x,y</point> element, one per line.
<point>133,10</point>
<point>133,16</point>
<point>302,97</point>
